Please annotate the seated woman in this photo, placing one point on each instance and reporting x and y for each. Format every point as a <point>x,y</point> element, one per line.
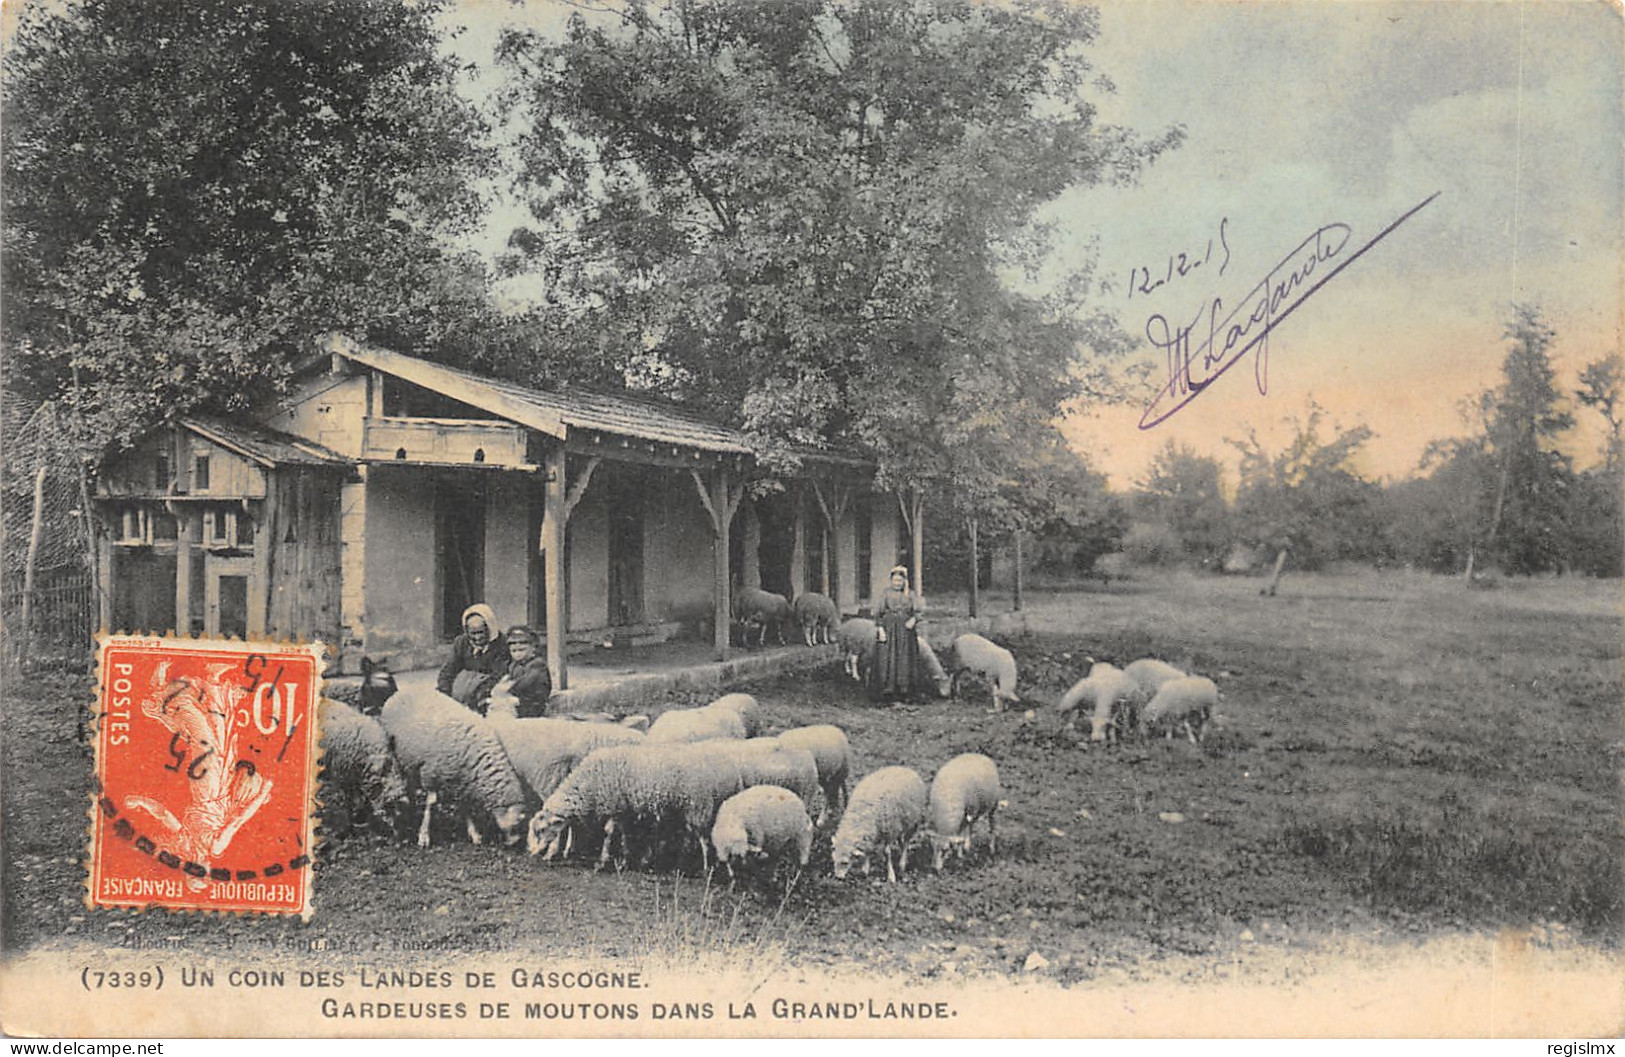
<point>895,672</point>
<point>479,657</point>
<point>524,691</point>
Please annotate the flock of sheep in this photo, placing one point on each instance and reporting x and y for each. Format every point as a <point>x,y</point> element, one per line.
<point>756,611</point>
<point>702,777</point>
<point>707,777</point>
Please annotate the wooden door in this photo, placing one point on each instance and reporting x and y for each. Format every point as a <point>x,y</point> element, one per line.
<point>230,592</point>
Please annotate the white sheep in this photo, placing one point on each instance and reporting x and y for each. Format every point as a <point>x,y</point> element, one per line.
<point>1112,698</point>
<point>614,786</point>
<point>859,640</point>
<point>989,661</point>
<point>661,784</point>
<point>753,607</point>
<point>1150,673</point>
<point>544,750</point>
<point>762,761</point>
<point>763,822</point>
<point>1189,703</point>
<point>697,724</point>
<point>887,809</point>
<point>817,616</point>
<point>445,748</point>
<point>360,775</point>
<point>965,789</point>
<point>746,707</point>
<point>832,754</point>
<point>934,669</point>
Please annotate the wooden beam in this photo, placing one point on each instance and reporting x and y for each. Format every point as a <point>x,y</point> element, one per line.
<point>183,571</point>
<point>554,520</point>
<point>975,586</point>
<point>1018,584</point>
<point>798,543</point>
<point>578,488</point>
<point>689,460</point>
<point>267,537</point>
<point>36,531</point>
<point>721,604</point>
<point>104,577</point>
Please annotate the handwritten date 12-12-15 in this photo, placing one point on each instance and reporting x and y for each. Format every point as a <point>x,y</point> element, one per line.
<point>1142,281</point>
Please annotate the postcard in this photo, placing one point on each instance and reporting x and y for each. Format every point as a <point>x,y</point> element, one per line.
<point>610,520</point>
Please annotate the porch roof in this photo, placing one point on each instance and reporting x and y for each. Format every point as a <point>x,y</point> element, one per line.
<point>557,413</point>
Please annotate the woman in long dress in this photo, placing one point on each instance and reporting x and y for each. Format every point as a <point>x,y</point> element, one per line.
<point>898,657</point>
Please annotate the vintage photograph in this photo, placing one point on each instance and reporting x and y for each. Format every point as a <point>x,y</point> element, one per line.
<point>873,518</point>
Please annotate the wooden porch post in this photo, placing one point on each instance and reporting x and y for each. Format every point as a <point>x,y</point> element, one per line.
<point>798,545</point>
<point>554,519</point>
<point>269,536</point>
<point>183,567</point>
<point>1018,598</point>
<point>912,505</point>
<point>721,499</point>
<point>975,562</point>
<point>561,497</point>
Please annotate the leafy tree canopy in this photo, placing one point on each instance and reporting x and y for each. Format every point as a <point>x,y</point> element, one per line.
<point>193,188</point>
<point>1308,497</point>
<point>799,216</point>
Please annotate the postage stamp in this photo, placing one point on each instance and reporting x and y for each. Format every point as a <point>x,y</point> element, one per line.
<point>205,781</point>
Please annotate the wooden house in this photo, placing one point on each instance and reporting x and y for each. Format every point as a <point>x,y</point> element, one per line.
<point>385,493</point>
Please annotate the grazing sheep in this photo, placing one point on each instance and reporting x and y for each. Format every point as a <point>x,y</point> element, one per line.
<point>545,750</point>
<point>445,748</point>
<point>360,776</point>
<point>859,642</point>
<point>614,786</point>
<point>697,724</point>
<point>753,607</point>
<point>832,754</point>
<point>886,811</point>
<point>1112,698</point>
<point>934,669</point>
<point>745,706</point>
<point>662,784</point>
<point>989,661</point>
<point>1150,673</point>
<point>764,822</point>
<point>817,616</point>
<point>1189,703</point>
<point>965,789</point>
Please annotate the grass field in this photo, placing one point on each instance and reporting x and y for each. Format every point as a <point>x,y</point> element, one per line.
<point>1401,755</point>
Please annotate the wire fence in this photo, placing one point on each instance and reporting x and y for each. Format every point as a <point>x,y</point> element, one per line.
<point>48,605</point>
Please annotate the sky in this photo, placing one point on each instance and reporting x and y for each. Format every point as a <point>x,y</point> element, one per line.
<point>1338,118</point>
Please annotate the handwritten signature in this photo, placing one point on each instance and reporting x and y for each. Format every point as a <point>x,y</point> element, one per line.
<point>1140,280</point>
<point>1193,367</point>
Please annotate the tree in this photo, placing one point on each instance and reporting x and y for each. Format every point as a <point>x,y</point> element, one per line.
<point>1523,419</point>
<point>1597,511</point>
<point>1602,386</point>
<point>194,188</point>
<point>800,217</point>
<point>1308,500</point>
<point>1184,491</point>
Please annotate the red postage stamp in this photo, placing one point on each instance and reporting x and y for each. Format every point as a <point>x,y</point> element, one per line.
<point>206,756</point>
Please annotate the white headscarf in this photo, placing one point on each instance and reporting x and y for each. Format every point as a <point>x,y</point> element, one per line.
<point>487,614</point>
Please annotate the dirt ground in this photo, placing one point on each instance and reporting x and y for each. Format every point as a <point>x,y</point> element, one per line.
<point>1401,757</point>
